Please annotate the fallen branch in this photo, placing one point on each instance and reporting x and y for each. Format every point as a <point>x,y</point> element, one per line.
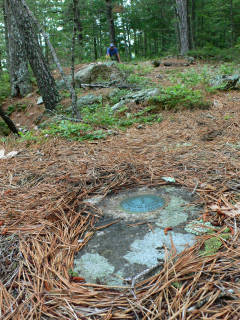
<point>109,85</point>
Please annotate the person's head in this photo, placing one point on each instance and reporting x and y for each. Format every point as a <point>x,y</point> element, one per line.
<point>112,45</point>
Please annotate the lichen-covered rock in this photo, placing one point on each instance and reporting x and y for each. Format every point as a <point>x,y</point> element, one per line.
<point>224,82</point>
<point>137,97</point>
<point>98,73</point>
<point>61,85</point>
<point>88,100</point>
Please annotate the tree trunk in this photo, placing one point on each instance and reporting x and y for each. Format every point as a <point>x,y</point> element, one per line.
<point>17,59</point>
<point>75,111</point>
<point>110,21</point>
<point>193,21</point>
<point>135,43</point>
<point>100,40</point>
<point>78,23</point>
<point>231,23</point>
<point>181,9</point>
<point>8,121</point>
<point>95,48</point>
<point>129,41</point>
<point>145,43</point>
<point>27,29</point>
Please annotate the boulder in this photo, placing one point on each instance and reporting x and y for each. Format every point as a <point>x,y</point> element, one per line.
<point>156,63</point>
<point>190,60</point>
<point>88,100</point>
<point>224,82</point>
<point>99,73</point>
<point>61,85</point>
<point>136,97</point>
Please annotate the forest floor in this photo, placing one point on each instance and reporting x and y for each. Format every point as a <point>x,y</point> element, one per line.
<point>43,214</point>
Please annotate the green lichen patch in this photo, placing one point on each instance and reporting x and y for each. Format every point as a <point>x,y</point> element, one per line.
<point>199,227</point>
<point>213,245</point>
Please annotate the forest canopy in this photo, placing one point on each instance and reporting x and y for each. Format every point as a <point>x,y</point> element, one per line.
<point>141,29</point>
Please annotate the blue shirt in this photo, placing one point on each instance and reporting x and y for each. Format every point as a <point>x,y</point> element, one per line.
<point>112,51</point>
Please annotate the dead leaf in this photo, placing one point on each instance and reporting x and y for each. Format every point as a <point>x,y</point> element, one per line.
<point>4,231</point>
<point>230,211</point>
<point>78,279</point>
<point>166,230</point>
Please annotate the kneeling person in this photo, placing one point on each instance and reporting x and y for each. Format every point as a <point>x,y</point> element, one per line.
<point>112,52</point>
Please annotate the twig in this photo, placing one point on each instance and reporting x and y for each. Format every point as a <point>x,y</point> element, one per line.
<point>195,188</point>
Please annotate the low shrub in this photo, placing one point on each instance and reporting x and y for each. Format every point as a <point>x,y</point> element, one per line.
<point>179,97</point>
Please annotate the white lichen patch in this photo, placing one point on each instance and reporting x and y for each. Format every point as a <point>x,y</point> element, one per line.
<point>199,227</point>
<point>93,266</point>
<point>151,248</point>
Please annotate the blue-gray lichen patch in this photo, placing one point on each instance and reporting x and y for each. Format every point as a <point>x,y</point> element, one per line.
<point>119,252</point>
<point>151,248</point>
<point>142,203</point>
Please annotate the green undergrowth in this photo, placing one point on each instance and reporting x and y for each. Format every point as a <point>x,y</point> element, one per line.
<point>99,122</point>
<point>192,77</point>
<point>214,244</point>
<point>179,97</point>
<point>140,69</point>
<point>15,107</point>
<point>212,53</point>
<point>205,78</point>
<point>136,73</point>
<point>4,130</point>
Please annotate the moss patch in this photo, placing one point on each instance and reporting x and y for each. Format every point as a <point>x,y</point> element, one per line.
<point>212,245</point>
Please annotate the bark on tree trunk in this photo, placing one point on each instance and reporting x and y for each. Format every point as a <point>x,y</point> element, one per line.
<point>193,21</point>
<point>181,9</point>
<point>78,23</point>
<point>145,45</point>
<point>27,29</point>
<point>110,21</point>
<point>95,48</point>
<point>8,121</point>
<point>129,41</point>
<point>17,58</point>
<point>73,93</point>
<point>231,23</point>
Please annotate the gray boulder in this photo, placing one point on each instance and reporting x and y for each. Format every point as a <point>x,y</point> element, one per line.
<point>99,73</point>
<point>88,100</point>
<point>224,82</point>
<point>190,60</point>
<point>61,85</point>
<point>137,97</point>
